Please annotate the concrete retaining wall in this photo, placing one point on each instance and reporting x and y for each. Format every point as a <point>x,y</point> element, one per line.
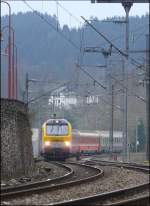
<point>16,142</point>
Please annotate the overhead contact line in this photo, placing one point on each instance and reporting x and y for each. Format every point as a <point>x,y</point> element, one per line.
<point>88,74</point>
<point>112,45</point>
<point>46,21</point>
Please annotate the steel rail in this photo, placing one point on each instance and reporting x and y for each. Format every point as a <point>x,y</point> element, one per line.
<point>143,200</point>
<point>129,165</point>
<point>39,183</point>
<point>42,189</point>
<point>102,197</point>
<point>98,198</point>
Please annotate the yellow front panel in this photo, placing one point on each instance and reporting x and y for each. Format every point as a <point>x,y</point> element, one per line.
<point>57,138</point>
<point>67,137</point>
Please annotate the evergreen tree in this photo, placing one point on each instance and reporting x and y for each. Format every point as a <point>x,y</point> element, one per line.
<point>141,135</point>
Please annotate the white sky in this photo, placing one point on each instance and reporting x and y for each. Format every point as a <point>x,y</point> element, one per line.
<point>77,8</point>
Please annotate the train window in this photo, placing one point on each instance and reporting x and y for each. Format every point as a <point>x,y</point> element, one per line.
<point>57,129</point>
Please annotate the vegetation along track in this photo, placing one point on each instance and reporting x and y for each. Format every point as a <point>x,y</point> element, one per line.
<point>79,173</point>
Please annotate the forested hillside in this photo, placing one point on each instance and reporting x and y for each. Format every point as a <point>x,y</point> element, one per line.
<point>46,54</point>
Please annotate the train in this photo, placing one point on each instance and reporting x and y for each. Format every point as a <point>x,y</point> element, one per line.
<point>85,142</point>
<point>95,142</point>
<point>57,140</point>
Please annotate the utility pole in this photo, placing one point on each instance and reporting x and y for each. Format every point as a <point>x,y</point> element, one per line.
<point>111,99</point>
<point>127,7</point>
<point>111,120</point>
<point>27,88</point>
<point>108,80</point>
<point>40,126</point>
<point>106,54</point>
<point>137,141</point>
<point>16,77</point>
<point>147,97</point>
<point>123,128</point>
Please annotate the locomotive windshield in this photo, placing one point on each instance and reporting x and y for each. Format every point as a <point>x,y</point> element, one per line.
<point>57,129</point>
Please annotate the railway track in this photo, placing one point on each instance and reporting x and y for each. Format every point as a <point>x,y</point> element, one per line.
<point>57,194</point>
<point>113,198</point>
<point>24,187</point>
<point>78,173</point>
<point>138,201</point>
<point>137,195</point>
<point>133,166</point>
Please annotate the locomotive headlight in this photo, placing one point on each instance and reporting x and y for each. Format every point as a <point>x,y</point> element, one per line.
<point>47,143</point>
<point>67,143</point>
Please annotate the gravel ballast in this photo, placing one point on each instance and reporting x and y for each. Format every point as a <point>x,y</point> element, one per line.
<point>43,171</point>
<point>114,178</point>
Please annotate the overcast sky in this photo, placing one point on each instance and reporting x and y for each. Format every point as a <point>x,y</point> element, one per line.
<point>76,8</point>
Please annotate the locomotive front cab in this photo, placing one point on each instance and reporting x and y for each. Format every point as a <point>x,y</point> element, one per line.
<point>56,137</point>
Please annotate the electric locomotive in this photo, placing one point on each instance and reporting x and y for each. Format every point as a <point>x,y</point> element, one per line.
<point>56,138</point>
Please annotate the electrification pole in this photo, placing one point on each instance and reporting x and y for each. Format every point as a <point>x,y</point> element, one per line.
<point>40,126</point>
<point>110,96</point>
<point>108,80</point>
<point>147,97</point>
<point>123,128</point>
<point>111,119</point>
<point>16,74</point>
<point>107,75</point>
<point>127,7</point>
<point>9,53</point>
<point>27,88</point>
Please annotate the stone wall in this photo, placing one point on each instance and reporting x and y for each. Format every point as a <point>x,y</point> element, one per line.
<point>16,142</point>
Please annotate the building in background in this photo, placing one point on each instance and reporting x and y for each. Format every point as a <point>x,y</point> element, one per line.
<point>62,98</point>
